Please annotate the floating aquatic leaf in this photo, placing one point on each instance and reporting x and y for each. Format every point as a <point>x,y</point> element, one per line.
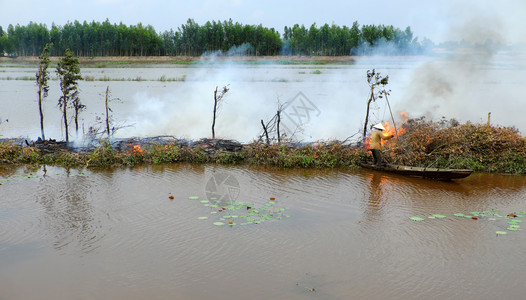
<point>438,216</point>
<point>501,232</point>
<point>193,197</point>
<point>202,218</point>
<point>475,213</point>
<point>213,205</point>
<point>204,201</point>
<point>416,219</point>
<point>512,228</point>
<point>219,223</point>
<point>431,217</point>
<point>459,215</point>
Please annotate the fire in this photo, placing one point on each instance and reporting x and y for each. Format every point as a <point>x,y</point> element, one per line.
<point>137,149</point>
<point>390,130</point>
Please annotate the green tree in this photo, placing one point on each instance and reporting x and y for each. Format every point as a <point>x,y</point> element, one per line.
<point>42,77</point>
<point>68,71</point>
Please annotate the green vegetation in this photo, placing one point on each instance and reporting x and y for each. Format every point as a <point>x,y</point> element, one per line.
<point>424,143</point>
<point>68,71</point>
<point>191,39</point>
<point>42,77</point>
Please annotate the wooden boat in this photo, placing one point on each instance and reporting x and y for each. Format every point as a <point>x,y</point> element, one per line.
<point>431,173</point>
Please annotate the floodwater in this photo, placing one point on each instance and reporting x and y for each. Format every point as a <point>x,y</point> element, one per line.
<point>322,102</point>
<point>329,234</point>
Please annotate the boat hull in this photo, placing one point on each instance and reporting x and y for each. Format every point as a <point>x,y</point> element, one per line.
<point>431,173</point>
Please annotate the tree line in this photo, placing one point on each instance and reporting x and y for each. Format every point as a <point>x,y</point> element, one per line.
<point>228,38</point>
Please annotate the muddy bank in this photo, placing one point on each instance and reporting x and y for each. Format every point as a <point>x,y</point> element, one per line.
<point>419,142</point>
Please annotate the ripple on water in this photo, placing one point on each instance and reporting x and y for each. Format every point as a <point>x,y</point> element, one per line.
<point>348,231</point>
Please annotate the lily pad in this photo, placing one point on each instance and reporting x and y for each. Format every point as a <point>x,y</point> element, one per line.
<point>512,228</point>
<point>193,197</point>
<point>202,218</point>
<point>219,223</point>
<point>459,215</point>
<point>417,219</point>
<point>204,201</point>
<point>501,232</point>
<point>439,216</point>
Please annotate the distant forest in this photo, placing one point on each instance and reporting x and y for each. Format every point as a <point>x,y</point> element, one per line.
<point>223,38</point>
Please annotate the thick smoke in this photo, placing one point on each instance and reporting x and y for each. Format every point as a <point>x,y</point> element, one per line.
<point>482,74</point>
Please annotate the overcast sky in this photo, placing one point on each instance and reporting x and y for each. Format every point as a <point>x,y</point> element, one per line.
<point>439,21</point>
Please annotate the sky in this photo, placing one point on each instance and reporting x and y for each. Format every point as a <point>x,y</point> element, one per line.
<point>439,21</point>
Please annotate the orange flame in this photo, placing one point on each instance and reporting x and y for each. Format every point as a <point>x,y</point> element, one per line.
<point>137,149</point>
<point>390,130</point>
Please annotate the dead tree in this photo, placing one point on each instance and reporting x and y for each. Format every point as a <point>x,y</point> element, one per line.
<point>374,80</point>
<point>108,110</point>
<point>219,96</point>
<point>265,132</point>
<point>273,126</point>
<point>78,107</point>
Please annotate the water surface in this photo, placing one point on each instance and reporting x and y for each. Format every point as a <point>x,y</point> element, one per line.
<point>342,234</point>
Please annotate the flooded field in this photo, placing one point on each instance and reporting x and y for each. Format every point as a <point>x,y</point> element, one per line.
<point>323,101</point>
<point>333,234</point>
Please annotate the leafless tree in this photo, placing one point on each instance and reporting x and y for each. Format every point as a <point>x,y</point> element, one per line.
<point>219,97</point>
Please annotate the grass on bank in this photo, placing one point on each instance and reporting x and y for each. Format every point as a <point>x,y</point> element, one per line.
<point>425,143</point>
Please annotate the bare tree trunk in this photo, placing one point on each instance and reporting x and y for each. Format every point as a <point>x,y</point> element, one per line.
<point>65,115</point>
<point>367,113</point>
<point>266,132</point>
<point>76,124</point>
<point>278,114</point>
<point>107,111</point>
<point>214,116</point>
<point>41,112</point>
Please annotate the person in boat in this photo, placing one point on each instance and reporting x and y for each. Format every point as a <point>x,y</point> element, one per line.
<point>376,143</point>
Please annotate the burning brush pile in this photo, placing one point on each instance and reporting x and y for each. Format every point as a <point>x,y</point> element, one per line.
<point>448,144</point>
<point>417,142</point>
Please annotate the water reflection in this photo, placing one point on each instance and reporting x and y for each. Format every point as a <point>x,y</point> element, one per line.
<point>69,215</point>
<point>349,230</point>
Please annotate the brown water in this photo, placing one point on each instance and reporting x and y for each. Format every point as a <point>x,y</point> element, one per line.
<point>334,234</point>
